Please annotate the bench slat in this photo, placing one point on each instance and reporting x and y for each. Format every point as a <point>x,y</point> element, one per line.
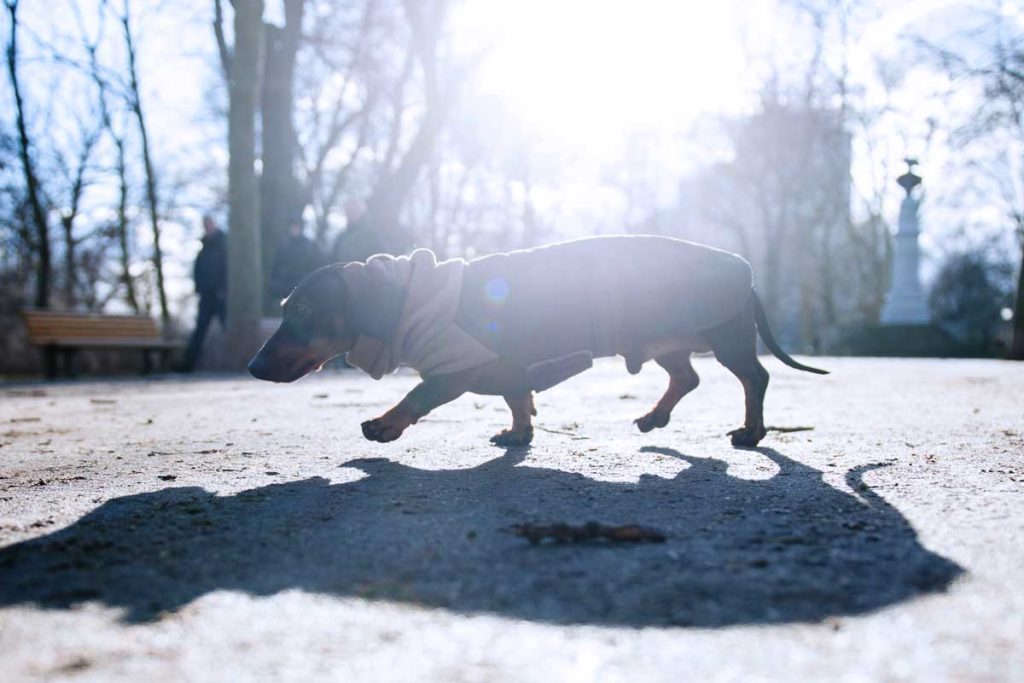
<point>91,332</point>
<point>86,331</point>
<point>96,343</point>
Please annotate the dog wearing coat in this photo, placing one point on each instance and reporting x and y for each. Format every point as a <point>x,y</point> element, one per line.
<point>515,323</point>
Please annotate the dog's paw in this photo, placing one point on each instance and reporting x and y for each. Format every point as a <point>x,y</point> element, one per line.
<point>747,437</point>
<point>510,439</point>
<point>382,430</point>
<point>652,420</point>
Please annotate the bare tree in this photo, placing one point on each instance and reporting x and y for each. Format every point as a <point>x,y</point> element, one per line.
<point>376,96</point>
<point>992,56</point>
<point>281,197</point>
<point>77,183</point>
<point>135,104</point>
<point>868,237</point>
<point>245,274</point>
<point>395,182</point>
<point>121,226</point>
<point>339,125</point>
<point>35,201</point>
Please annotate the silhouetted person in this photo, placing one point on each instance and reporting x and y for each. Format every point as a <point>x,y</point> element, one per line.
<point>360,240</point>
<point>363,238</point>
<point>210,274</point>
<point>296,256</point>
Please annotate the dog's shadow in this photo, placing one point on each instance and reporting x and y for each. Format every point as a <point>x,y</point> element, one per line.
<point>789,548</point>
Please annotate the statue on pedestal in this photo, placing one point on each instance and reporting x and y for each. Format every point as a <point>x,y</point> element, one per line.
<point>906,304</point>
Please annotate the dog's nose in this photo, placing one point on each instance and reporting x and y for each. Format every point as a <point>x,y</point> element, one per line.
<point>257,367</point>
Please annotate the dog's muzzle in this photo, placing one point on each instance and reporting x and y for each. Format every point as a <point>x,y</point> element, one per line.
<point>259,368</point>
<point>282,359</point>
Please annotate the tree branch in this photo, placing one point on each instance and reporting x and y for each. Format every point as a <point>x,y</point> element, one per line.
<point>222,44</point>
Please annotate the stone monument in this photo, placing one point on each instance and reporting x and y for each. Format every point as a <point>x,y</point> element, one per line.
<point>905,304</point>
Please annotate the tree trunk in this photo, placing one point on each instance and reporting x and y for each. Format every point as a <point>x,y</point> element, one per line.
<point>245,274</point>
<point>147,162</point>
<point>280,193</point>
<point>68,221</point>
<point>121,168</point>
<point>42,297</point>
<point>151,200</point>
<point>70,272</point>
<point>122,227</point>
<point>1017,344</point>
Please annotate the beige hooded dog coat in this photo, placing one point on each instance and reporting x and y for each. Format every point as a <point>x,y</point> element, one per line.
<point>546,311</point>
<point>426,337</point>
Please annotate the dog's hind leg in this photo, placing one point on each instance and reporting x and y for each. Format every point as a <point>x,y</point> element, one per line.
<point>682,380</point>
<point>521,433</point>
<point>735,347</point>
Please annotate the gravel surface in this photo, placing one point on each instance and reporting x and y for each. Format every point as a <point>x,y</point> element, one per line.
<point>225,529</point>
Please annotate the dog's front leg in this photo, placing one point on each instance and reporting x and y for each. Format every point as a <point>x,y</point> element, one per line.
<point>425,396</point>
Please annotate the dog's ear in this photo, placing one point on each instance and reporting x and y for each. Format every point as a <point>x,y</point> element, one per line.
<point>326,291</point>
<point>373,301</point>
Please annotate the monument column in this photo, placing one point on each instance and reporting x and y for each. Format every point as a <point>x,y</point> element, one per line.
<point>905,304</point>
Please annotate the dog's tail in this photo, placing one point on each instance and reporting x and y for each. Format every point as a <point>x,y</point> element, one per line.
<point>769,339</point>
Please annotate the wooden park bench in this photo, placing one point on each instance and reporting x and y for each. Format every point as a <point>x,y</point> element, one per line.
<point>62,333</point>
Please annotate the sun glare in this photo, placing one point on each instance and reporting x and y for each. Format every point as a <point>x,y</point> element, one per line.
<point>588,73</point>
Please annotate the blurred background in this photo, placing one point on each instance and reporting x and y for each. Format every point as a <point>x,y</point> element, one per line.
<point>313,131</point>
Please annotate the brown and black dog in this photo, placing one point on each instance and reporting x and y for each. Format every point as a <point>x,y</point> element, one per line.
<point>526,320</point>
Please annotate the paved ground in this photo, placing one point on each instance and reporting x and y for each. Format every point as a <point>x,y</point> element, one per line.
<point>227,529</point>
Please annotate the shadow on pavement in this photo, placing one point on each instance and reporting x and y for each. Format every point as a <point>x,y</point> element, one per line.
<point>789,548</point>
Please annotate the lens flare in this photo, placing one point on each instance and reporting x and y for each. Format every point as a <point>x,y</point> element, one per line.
<point>497,290</point>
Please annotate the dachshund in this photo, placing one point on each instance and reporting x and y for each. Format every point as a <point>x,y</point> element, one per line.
<point>515,323</point>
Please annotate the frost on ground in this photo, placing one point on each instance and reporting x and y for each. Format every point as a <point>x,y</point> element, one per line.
<point>223,528</point>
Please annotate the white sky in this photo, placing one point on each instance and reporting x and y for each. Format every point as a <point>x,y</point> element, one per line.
<point>587,76</point>
<point>583,77</point>
<point>584,72</point>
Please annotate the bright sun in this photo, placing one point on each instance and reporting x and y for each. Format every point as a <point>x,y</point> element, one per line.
<point>588,73</point>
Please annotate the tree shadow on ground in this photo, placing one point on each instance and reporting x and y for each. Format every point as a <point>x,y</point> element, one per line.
<point>789,548</point>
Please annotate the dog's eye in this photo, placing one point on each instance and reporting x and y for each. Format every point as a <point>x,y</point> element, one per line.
<point>300,312</point>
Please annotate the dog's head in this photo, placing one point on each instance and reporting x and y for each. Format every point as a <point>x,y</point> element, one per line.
<point>322,318</point>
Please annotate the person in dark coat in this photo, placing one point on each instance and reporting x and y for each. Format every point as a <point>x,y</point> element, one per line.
<point>363,236</point>
<point>296,257</point>
<point>359,241</point>
<point>210,274</point>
